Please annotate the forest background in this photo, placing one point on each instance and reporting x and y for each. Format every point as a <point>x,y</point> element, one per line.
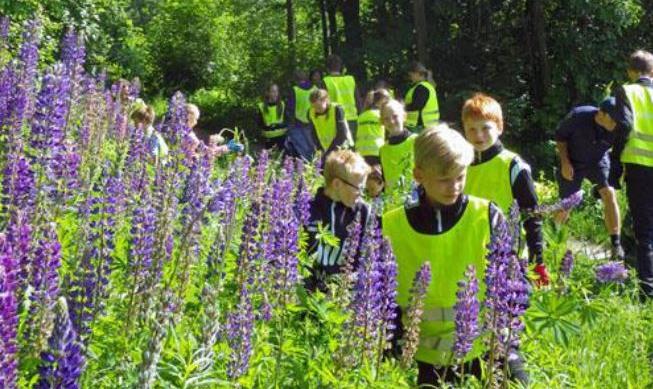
<point>539,58</point>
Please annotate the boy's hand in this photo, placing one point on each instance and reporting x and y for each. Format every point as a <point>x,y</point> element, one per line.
<point>567,171</point>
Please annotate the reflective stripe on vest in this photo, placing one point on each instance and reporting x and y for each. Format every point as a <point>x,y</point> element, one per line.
<point>639,146</point>
<point>370,135</point>
<point>325,125</point>
<point>491,180</point>
<point>430,113</point>
<point>270,118</point>
<point>342,90</point>
<point>302,103</point>
<point>449,254</point>
<point>397,162</point>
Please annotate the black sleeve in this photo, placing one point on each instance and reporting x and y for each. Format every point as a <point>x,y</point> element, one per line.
<point>523,190</point>
<point>420,96</point>
<point>564,129</point>
<point>372,160</point>
<point>624,119</point>
<point>342,130</point>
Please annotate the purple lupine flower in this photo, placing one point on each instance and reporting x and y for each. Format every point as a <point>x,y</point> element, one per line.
<point>467,310</point>
<point>88,289</point>
<point>613,271</point>
<point>514,221</point>
<point>240,328</point>
<point>18,183</point>
<point>63,362</point>
<point>414,312</point>
<point>351,245</point>
<point>45,282</point>
<point>28,59</point>
<point>388,291</point>
<point>4,30</point>
<point>176,125</point>
<point>65,169</point>
<point>303,196</point>
<point>8,315</point>
<point>49,122</point>
<point>144,274</point>
<point>567,264</point>
<point>73,52</point>
<point>20,239</point>
<point>8,81</point>
<point>566,204</point>
<point>367,299</point>
<point>507,295</point>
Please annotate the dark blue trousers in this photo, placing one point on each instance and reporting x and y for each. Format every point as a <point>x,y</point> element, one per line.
<point>639,190</point>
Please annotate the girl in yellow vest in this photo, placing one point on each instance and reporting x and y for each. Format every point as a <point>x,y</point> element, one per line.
<point>328,124</point>
<point>396,155</point>
<point>271,118</point>
<point>421,99</point>
<point>450,230</point>
<point>370,136</point>
<point>500,175</point>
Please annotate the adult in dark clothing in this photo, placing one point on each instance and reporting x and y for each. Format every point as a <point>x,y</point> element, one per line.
<point>299,139</point>
<point>583,139</point>
<point>633,152</point>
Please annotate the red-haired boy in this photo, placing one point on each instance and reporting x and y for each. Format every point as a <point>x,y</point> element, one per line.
<point>500,175</point>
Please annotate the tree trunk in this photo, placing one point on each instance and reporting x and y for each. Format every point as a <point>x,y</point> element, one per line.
<point>290,22</point>
<point>353,49</point>
<point>290,31</point>
<point>332,9</point>
<point>536,35</point>
<point>419,17</point>
<point>325,29</point>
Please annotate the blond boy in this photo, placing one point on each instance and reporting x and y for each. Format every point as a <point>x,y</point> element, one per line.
<point>450,230</point>
<point>334,207</point>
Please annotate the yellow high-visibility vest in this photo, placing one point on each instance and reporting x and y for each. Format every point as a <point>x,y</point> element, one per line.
<point>449,254</point>
<point>342,90</point>
<point>430,113</point>
<point>370,135</point>
<point>397,162</point>
<point>325,125</point>
<point>639,146</point>
<point>302,103</point>
<point>491,180</point>
<point>272,117</point>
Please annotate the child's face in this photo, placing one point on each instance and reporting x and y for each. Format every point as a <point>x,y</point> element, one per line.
<point>414,76</point>
<point>320,106</point>
<point>393,121</point>
<point>374,186</point>
<point>441,189</point>
<point>349,189</point>
<point>273,94</point>
<point>481,133</point>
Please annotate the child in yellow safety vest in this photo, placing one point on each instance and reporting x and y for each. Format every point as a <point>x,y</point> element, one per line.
<point>396,155</point>
<point>328,123</point>
<point>451,231</point>
<point>371,136</point>
<point>272,118</point>
<point>421,99</point>
<point>500,175</point>
<point>343,90</point>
